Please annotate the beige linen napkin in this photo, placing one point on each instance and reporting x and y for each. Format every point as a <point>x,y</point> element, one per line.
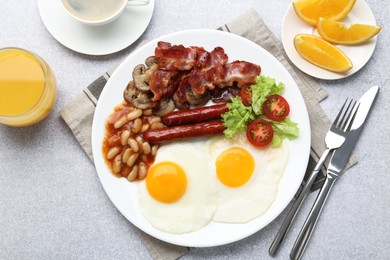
<point>78,113</point>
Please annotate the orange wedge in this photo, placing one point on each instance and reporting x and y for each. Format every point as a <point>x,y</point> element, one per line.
<point>339,33</point>
<point>310,11</point>
<point>321,53</point>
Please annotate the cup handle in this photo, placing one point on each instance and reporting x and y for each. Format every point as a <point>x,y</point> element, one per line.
<point>137,2</point>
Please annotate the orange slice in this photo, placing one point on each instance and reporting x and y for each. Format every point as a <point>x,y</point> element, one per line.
<point>321,53</point>
<point>339,33</point>
<point>310,11</point>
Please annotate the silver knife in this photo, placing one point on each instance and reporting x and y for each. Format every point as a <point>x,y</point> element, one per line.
<point>337,163</point>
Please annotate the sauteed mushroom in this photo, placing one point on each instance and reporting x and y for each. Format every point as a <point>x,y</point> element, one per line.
<point>179,102</point>
<point>137,98</point>
<point>165,106</point>
<point>151,60</point>
<point>142,75</point>
<point>196,99</point>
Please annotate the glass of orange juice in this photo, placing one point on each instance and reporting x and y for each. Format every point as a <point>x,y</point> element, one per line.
<point>27,87</point>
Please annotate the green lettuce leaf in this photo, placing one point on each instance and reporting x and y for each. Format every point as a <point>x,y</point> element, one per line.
<point>284,129</point>
<point>264,87</point>
<point>237,118</point>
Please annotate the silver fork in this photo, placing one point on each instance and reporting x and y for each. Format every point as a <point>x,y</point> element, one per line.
<point>334,138</point>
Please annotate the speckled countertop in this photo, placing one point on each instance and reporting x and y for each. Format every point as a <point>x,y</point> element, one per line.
<point>52,205</point>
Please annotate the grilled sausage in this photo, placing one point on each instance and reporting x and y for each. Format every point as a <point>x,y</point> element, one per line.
<point>195,115</point>
<point>183,132</point>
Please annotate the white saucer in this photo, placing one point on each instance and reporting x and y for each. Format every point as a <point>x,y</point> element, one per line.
<point>359,55</point>
<point>99,40</point>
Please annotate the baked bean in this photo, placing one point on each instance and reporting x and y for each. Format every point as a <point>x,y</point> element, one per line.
<point>137,126</point>
<point>154,149</point>
<point>154,119</point>
<point>130,162</point>
<point>117,165</point>
<point>126,155</point>
<point>120,122</point>
<point>124,136</point>
<point>139,139</point>
<point>156,125</point>
<point>141,171</point>
<point>146,148</point>
<point>133,173</point>
<point>133,144</point>
<point>136,113</point>
<point>144,128</point>
<point>147,112</point>
<point>113,152</point>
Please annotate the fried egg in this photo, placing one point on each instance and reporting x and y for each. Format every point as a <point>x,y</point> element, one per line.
<point>247,177</point>
<point>179,194</point>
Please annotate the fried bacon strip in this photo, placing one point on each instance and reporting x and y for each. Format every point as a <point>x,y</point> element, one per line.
<point>188,74</point>
<point>177,57</point>
<point>242,72</point>
<point>208,71</point>
<point>164,83</point>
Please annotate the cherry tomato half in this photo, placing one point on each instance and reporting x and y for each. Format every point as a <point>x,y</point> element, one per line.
<point>246,95</point>
<point>259,132</point>
<point>276,108</point>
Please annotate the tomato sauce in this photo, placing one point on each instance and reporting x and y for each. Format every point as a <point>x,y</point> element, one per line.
<point>113,139</point>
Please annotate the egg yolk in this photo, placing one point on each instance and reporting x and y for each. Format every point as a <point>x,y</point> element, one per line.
<point>166,182</point>
<point>234,166</point>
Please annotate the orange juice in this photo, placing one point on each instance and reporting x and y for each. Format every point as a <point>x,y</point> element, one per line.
<point>27,87</point>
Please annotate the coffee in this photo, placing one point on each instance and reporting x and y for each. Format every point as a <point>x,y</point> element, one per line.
<point>93,10</point>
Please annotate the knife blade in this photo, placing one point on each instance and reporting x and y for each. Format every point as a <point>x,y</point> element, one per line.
<point>337,163</point>
<point>341,156</point>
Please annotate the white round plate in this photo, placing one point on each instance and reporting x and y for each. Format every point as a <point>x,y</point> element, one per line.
<point>124,194</point>
<point>95,40</point>
<point>359,55</point>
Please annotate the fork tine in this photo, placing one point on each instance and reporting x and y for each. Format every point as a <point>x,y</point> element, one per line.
<point>340,119</point>
<point>346,116</point>
<point>351,116</point>
<point>336,120</point>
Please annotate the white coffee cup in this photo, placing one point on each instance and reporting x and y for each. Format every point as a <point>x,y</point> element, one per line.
<point>98,12</point>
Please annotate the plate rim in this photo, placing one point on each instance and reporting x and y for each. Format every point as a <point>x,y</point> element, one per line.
<point>326,75</point>
<point>60,39</point>
<point>306,138</point>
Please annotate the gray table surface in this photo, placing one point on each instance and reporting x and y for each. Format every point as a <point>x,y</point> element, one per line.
<point>52,204</point>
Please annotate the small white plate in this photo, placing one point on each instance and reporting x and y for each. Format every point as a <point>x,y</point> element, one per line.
<point>95,40</point>
<point>359,55</point>
<point>124,194</point>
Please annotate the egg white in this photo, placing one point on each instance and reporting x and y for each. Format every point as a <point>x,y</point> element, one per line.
<point>197,206</point>
<point>251,200</point>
